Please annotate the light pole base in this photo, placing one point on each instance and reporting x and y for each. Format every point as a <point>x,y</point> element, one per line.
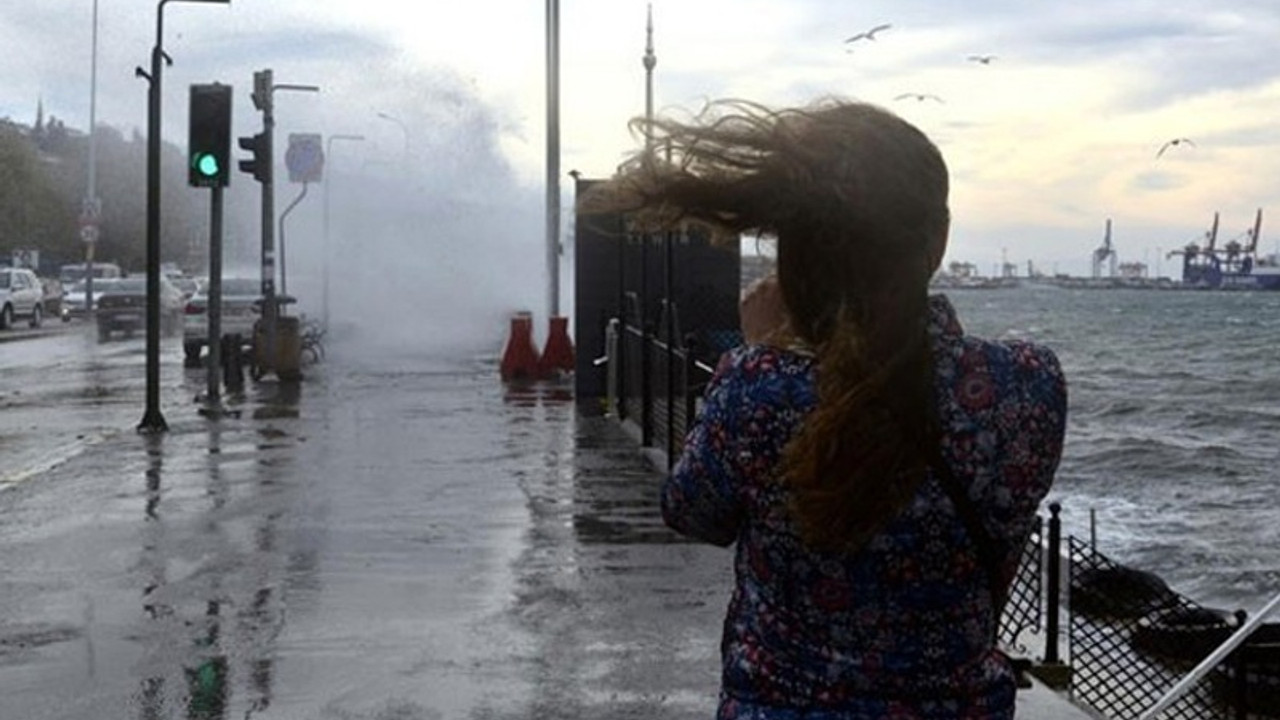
<point>153,422</point>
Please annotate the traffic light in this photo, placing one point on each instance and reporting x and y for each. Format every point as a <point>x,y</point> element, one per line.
<point>209,136</point>
<point>260,165</point>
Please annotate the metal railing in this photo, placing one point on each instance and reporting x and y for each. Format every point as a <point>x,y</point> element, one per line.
<point>1223,656</point>
<point>653,383</point>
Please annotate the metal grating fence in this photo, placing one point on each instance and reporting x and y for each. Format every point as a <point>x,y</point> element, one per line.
<point>1024,608</point>
<point>1132,639</point>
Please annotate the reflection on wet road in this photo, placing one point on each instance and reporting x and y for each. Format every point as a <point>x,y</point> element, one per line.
<point>402,539</point>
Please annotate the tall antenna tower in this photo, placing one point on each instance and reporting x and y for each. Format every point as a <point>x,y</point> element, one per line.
<point>650,61</point>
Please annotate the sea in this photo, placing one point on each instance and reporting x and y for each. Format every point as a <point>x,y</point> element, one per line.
<point>1172,455</point>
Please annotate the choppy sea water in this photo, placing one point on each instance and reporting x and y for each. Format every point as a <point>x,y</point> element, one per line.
<point>1173,436</point>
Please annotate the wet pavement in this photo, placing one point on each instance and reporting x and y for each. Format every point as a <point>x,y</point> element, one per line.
<point>400,539</point>
<point>395,539</point>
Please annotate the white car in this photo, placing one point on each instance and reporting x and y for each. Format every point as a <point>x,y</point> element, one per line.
<point>21,296</point>
<point>241,307</point>
<point>73,298</point>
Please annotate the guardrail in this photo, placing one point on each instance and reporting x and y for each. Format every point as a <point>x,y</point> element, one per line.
<point>654,383</point>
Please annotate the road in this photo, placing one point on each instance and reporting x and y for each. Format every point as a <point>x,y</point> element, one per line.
<point>394,538</point>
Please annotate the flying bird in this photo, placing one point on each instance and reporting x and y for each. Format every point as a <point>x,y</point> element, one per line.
<point>921,97</point>
<point>869,34</point>
<point>1175,141</point>
<point>984,59</point>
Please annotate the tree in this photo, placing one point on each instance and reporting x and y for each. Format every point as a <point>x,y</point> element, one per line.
<point>42,191</point>
<point>33,214</point>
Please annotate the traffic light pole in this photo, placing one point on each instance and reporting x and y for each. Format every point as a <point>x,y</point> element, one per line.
<point>263,169</point>
<point>213,395</point>
<point>263,88</point>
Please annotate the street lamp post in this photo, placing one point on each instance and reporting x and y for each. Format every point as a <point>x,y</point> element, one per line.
<point>328,153</point>
<point>553,157</point>
<point>90,213</point>
<point>403,128</point>
<point>152,419</point>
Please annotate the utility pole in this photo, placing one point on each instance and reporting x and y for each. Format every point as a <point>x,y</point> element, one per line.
<point>262,100</point>
<point>263,169</point>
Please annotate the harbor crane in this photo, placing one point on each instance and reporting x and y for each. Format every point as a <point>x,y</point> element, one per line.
<point>1240,257</point>
<point>1201,266</point>
<point>1103,253</point>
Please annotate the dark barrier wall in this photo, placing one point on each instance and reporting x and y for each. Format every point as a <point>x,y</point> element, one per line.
<point>597,257</point>
<point>630,276</point>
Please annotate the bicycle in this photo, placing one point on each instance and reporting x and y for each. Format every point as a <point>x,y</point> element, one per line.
<point>312,341</point>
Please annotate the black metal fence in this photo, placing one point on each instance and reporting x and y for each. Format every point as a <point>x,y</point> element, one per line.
<point>1131,639</point>
<point>659,386</point>
<point>1024,608</point>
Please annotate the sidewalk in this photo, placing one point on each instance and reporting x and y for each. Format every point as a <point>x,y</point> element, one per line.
<point>398,538</point>
<point>1041,703</point>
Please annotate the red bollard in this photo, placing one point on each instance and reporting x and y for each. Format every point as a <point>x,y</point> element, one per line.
<point>520,359</point>
<point>557,356</point>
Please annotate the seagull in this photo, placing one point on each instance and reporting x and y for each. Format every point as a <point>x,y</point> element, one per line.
<point>1175,141</point>
<point>868,35</point>
<point>984,59</point>
<point>918,96</point>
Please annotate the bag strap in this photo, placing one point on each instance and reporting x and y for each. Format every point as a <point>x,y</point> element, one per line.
<point>988,554</point>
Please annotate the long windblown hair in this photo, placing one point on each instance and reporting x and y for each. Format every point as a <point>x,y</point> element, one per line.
<point>856,198</point>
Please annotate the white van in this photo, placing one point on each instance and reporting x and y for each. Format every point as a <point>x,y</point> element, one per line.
<point>71,274</point>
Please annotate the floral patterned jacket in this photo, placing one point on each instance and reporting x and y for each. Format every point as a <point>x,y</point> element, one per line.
<point>903,628</point>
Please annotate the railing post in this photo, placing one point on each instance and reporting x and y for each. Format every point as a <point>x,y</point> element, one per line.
<point>1239,663</point>
<point>690,364</point>
<point>612,342</point>
<point>646,387</point>
<point>669,330</point>
<point>646,352</point>
<point>1054,599</point>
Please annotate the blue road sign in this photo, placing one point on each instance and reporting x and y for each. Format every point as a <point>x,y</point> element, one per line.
<point>305,158</point>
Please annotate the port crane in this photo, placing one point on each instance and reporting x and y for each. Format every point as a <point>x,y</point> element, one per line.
<point>1104,252</point>
<point>1200,265</point>
<point>1239,258</point>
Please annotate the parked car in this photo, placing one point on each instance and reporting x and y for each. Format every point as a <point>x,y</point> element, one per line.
<point>73,298</point>
<point>21,296</point>
<point>241,307</point>
<point>122,307</point>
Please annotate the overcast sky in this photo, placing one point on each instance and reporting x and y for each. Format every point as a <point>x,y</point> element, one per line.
<point>1055,135</point>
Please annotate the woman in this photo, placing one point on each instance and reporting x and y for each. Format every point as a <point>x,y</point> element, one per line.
<point>878,469</point>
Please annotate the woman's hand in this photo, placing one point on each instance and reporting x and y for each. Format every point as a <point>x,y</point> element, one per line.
<point>763,314</point>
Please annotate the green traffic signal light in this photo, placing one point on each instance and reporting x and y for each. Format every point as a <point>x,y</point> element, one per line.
<point>207,164</point>
<point>209,135</point>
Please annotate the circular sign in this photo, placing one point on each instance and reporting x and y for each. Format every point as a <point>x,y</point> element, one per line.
<point>89,233</point>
